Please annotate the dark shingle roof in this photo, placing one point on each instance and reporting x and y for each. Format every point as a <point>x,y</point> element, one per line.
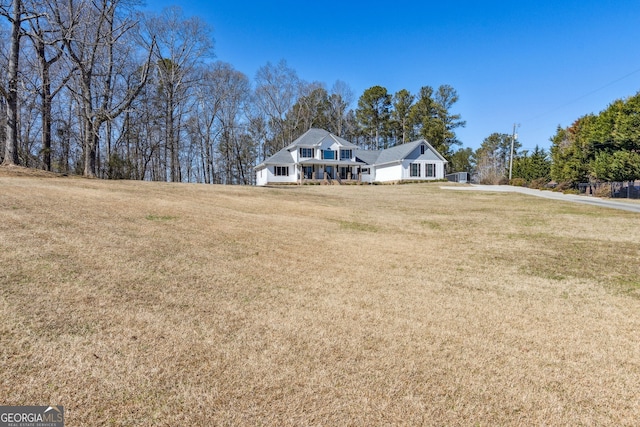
<point>368,156</point>
<point>397,153</point>
<point>311,138</point>
<point>281,157</point>
<point>400,152</point>
<point>314,137</point>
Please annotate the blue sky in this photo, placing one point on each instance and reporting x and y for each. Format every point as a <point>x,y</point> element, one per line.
<point>539,64</point>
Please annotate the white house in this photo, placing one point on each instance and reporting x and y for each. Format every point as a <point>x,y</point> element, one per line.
<point>416,160</point>
<point>318,155</point>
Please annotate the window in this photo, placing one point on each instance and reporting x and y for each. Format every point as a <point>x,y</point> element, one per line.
<point>281,171</point>
<point>306,152</point>
<point>365,171</point>
<point>346,154</point>
<point>328,155</point>
<point>422,147</point>
<point>415,169</point>
<point>431,170</point>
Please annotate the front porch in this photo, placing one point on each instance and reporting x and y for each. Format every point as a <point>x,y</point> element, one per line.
<point>332,181</point>
<point>333,172</point>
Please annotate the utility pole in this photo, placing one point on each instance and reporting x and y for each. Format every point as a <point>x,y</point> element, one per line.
<point>513,140</point>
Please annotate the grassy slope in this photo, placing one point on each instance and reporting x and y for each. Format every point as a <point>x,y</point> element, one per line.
<point>155,304</point>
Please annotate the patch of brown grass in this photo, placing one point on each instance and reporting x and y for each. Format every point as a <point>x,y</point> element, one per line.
<point>134,303</point>
<point>21,171</point>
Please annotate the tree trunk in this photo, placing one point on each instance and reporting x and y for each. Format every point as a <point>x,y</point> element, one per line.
<point>171,139</point>
<point>90,144</point>
<point>45,104</point>
<point>11,146</point>
<point>90,132</point>
<point>239,159</point>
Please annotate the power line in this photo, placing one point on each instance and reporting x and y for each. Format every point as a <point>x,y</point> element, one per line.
<point>585,95</point>
<point>581,97</point>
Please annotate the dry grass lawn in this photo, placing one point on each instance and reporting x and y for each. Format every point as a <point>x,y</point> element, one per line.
<point>151,304</point>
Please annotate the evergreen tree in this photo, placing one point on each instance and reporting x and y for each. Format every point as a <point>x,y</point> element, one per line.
<point>601,147</point>
<point>402,103</point>
<point>373,114</point>
<point>432,119</point>
<point>461,160</point>
<point>532,167</point>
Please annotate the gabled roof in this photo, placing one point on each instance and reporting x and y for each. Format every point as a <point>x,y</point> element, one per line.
<point>311,138</point>
<point>281,157</point>
<point>315,137</point>
<point>368,156</point>
<point>399,152</point>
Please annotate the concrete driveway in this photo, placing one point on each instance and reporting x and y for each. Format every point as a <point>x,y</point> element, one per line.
<point>587,200</point>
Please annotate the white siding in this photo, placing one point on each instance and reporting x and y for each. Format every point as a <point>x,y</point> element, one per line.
<point>368,177</point>
<point>386,173</point>
<point>261,176</point>
<point>398,169</point>
<point>268,176</point>
<point>399,172</point>
<point>439,170</point>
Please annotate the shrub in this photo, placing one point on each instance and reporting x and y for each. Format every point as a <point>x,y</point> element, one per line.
<point>538,183</point>
<point>519,182</point>
<point>118,167</point>
<point>503,181</point>
<point>487,181</point>
<point>563,186</point>
<point>603,190</point>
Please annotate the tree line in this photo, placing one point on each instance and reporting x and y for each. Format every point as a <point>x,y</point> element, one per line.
<point>100,89</point>
<point>492,162</point>
<point>603,147</point>
<point>600,147</point>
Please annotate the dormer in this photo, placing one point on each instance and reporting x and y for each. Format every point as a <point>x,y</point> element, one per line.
<point>318,144</point>
<point>328,149</point>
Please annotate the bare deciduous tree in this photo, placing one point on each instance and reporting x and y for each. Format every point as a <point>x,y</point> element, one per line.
<point>91,30</point>
<point>15,15</point>
<point>234,91</point>
<point>276,92</point>
<point>340,99</point>
<point>182,44</point>
<point>48,47</point>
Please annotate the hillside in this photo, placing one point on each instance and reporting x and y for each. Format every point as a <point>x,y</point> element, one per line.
<point>138,303</point>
